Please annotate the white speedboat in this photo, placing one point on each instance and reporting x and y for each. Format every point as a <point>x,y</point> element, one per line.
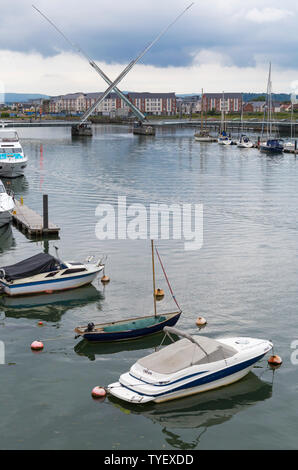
<point>191,365</point>
<point>12,159</point>
<point>245,142</point>
<point>6,206</point>
<point>45,273</point>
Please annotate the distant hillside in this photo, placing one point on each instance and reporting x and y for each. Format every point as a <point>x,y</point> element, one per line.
<point>21,97</point>
<point>247,96</point>
<point>275,96</point>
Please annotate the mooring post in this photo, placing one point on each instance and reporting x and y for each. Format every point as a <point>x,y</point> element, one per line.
<point>45,212</point>
<point>295,145</point>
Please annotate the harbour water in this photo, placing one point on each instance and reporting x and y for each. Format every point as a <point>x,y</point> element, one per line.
<point>244,281</point>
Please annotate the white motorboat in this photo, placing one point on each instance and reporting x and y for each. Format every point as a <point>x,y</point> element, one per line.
<point>45,273</point>
<point>12,159</point>
<point>245,142</point>
<point>6,205</point>
<point>190,365</point>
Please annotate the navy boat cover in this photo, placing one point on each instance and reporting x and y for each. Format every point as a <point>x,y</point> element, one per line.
<point>41,263</point>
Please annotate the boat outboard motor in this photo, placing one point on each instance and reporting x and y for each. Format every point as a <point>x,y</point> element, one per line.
<point>90,327</point>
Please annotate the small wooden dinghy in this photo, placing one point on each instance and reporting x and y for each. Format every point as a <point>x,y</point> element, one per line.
<point>132,328</point>
<point>123,330</point>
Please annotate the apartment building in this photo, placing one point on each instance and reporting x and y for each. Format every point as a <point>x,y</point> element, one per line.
<point>148,103</point>
<point>229,102</point>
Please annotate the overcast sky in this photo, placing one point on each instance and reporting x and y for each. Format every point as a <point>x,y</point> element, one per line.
<point>216,45</point>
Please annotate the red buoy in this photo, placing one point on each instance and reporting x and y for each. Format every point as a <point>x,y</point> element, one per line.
<point>40,323</point>
<point>37,346</point>
<point>275,360</point>
<point>98,392</point>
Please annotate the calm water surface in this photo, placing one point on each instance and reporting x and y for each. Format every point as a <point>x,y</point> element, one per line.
<point>244,280</point>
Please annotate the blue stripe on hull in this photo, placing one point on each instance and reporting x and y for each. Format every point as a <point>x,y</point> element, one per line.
<point>50,281</point>
<point>131,334</point>
<point>204,380</point>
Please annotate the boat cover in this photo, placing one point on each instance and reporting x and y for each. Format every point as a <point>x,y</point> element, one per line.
<point>184,353</point>
<point>41,263</point>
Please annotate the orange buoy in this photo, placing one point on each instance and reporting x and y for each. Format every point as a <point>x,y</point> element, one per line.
<point>105,279</point>
<point>275,360</point>
<point>159,294</point>
<point>98,392</point>
<point>201,321</point>
<point>37,346</point>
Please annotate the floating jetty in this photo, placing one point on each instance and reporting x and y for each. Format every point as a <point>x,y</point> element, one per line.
<point>32,224</point>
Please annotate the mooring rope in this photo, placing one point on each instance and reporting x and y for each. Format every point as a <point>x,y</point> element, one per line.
<point>168,282</point>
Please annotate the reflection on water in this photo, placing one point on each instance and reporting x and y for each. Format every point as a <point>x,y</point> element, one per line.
<point>50,307</point>
<point>201,411</point>
<point>19,186</point>
<point>91,350</point>
<point>7,240</point>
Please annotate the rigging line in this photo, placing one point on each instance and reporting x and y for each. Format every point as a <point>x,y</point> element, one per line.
<point>94,65</point>
<point>168,282</point>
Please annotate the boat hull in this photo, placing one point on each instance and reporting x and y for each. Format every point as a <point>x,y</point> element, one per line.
<point>131,334</point>
<point>271,150</point>
<point>48,286</point>
<point>12,169</point>
<point>142,385</point>
<point>130,395</point>
<point>5,218</point>
<point>205,139</point>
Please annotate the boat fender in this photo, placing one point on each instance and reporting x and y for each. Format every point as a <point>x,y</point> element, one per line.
<point>275,361</point>
<point>37,346</point>
<point>99,392</point>
<point>201,321</point>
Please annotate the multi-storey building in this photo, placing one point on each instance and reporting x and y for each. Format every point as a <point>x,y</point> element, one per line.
<point>154,103</point>
<point>229,102</point>
<point>148,103</point>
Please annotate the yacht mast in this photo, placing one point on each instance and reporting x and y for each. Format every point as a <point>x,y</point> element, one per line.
<point>153,276</point>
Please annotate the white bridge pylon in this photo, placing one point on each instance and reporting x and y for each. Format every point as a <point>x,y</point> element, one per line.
<point>113,85</point>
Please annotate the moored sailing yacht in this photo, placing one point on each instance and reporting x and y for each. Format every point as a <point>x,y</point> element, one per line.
<point>272,145</point>
<point>223,138</point>
<point>12,159</point>
<point>133,328</point>
<point>203,135</point>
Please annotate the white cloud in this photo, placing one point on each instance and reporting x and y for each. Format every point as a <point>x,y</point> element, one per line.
<point>66,73</point>
<point>267,15</point>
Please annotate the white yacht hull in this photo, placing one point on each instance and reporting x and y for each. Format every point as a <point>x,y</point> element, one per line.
<point>205,139</point>
<point>244,145</point>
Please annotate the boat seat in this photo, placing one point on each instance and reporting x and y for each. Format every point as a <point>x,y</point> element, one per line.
<point>135,324</point>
